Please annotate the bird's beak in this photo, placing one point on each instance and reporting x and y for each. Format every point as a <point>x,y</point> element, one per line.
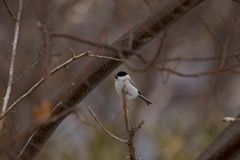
<point>115,77</point>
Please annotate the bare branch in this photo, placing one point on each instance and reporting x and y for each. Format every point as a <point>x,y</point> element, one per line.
<point>105,57</point>
<point>131,131</point>
<point>12,64</point>
<point>198,59</point>
<point>139,126</point>
<point>209,28</point>
<point>40,82</point>
<point>9,10</point>
<point>31,130</point>
<point>27,69</point>
<point>104,129</point>
<point>203,73</point>
<point>125,109</point>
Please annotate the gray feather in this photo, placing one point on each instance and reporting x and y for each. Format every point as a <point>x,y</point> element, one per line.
<point>144,99</point>
<point>131,81</point>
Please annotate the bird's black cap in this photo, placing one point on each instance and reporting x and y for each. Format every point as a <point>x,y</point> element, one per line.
<point>121,74</point>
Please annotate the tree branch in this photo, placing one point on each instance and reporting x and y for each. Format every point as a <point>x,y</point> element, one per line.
<point>65,64</point>
<point>12,64</point>
<point>131,131</point>
<point>125,109</point>
<point>226,146</point>
<point>104,129</point>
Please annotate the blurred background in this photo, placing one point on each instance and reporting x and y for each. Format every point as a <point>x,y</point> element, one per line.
<point>188,104</point>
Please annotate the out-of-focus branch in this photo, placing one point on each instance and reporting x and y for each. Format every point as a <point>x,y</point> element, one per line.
<point>231,119</point>
<point>222,43</point>
<point>100,68</point>
<point>226,146</point>
<point>5,147</point>
<point>65,64</point>
<point>198,59</point>
<point>9,10</point>
<point>230,68</point>
<point>12,64</point>
<point>47,63</point>
<point>34,62</point>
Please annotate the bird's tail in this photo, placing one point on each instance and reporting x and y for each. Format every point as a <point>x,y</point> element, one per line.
<point>144,99</point>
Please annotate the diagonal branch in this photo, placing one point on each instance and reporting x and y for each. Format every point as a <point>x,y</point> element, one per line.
<point>9,10</point>
<point>65,64</point>
<point>226,146</point>
<point>103,128</point>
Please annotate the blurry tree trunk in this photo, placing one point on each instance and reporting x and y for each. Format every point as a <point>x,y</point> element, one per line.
<point>226,146</point>
<point>99,69</point>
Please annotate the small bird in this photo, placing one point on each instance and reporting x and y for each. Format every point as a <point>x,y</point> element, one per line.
<point>132,91</point>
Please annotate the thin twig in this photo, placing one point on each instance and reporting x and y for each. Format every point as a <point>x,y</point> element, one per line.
<point>197,59</point>
<point>211,31</point>
<point>105,57</point>
<point>103,128</point>
<point>47,64</point>
<point>41,81</point>
<point>139,126</point>
<point>83,120</point>
<point>28,68</point>
<point>9,10</point>
<point>203,73</point>
<point>34,127</point>
<point>126,20</point>
<point>12,64</point>
<point>63,65</point>
<point>68,111</point>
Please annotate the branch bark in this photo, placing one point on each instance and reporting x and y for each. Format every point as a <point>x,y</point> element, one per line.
<point>226,146</point>
<point>97,70</point>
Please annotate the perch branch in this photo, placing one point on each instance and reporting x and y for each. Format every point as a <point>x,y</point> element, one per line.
<point>125,109</point>
<point>131,131</point>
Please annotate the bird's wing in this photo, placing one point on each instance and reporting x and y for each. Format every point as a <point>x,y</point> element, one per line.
<point>131,81</point>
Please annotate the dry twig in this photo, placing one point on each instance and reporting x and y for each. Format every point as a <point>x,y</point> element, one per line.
<point>9,10</point>
<point>12,64</point>
<point>104,129</point>
<point>65,64</point>
<point>131,131</point>
<point>31,130</point>
<point>125,109</point>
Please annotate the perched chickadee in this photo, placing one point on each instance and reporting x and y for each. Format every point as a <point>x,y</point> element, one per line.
<point>132,91</point>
